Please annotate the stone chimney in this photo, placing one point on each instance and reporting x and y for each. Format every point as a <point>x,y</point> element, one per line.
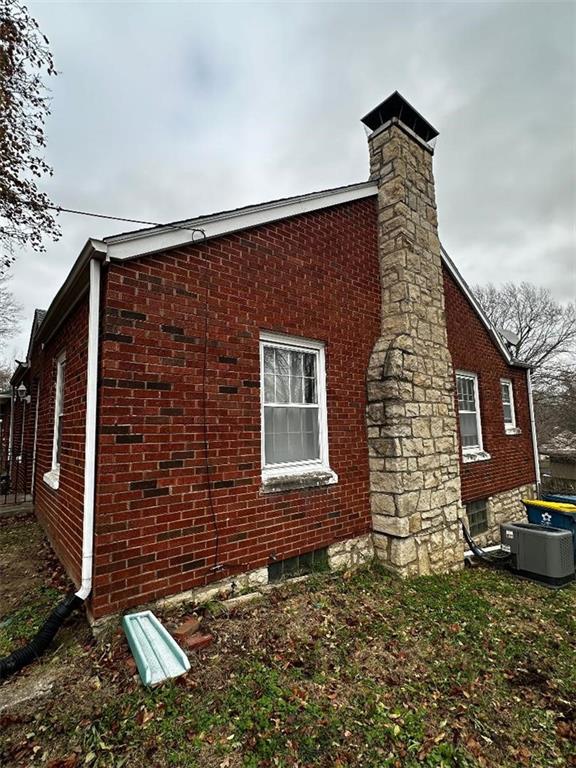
<point>411,418</point>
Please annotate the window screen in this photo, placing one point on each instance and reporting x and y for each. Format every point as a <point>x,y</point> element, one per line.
<point>291,409</point>
<point>468,410</point>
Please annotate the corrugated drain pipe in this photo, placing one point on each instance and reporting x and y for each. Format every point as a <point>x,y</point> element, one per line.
<point>29,653</point>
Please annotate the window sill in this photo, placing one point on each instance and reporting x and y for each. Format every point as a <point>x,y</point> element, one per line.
<point>513,430</point>
<point>290,481</point>
<point>52,478</point>
<point>473,456</point>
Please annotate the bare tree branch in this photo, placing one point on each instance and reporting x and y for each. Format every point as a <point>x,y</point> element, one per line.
<point>546,328</point>
<point>547,340</point>
<point>10,312</point>
<point>25,58</point>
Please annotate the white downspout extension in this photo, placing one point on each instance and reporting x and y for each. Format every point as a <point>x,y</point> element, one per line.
<point>90,442</point>
<point>533,427</point>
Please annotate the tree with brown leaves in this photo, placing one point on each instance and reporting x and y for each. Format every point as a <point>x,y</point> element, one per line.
<point>25,60</point>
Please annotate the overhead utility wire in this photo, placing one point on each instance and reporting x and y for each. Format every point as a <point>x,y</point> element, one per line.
<point>60,209</point>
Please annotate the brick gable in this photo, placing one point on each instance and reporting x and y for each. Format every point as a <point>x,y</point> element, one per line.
<point>472,349</point>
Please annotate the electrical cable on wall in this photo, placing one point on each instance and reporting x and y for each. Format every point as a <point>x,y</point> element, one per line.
<point>216,566</point>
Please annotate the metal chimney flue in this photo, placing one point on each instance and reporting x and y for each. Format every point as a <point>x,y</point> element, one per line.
<point>396,109</point>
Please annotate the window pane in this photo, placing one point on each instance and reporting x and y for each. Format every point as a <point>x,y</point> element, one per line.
<point>466,395</point>
<point>309,419</point>
<point>310,391</point>
<point>309,364</point>
<point>310,442</point>
<point>296,390</point>
<point>280,421</point>
<point>477,517</point>
<point>294,447</point>
<point>268,360</point>
<point>296,363</point>
<point>290,434</point>
<point>505,393</point>
<point>282,389</point>
<point>268,388</point>
<point>275,435</point>
<point>294,420</point>
<point>282,362</point>
<point>468,430</point>
<point>507,413</point>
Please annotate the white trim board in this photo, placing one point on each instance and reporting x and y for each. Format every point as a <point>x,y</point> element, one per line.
<point>147,241</point>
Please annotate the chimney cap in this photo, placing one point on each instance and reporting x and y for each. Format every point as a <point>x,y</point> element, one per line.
<point>396,106</point>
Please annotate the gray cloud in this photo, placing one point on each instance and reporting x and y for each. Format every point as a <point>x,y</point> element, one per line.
<point>168,110</point>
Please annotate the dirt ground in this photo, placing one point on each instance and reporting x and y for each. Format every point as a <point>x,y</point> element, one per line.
<point>465,670</point>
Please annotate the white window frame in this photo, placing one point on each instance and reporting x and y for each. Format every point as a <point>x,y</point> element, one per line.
<point>472,452</point>
<point>309,466</point>
<point>509,427</point>
<point>52,477</point>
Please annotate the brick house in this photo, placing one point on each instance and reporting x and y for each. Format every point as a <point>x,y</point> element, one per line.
<point>308,380</point>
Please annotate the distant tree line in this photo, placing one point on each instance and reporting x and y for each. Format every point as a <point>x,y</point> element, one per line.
<point>546,331</point>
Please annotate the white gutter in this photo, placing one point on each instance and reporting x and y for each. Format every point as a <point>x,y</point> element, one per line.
<point>90,442</point>
<point>533,427</point>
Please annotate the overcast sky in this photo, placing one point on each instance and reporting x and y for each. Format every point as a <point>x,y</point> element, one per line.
<point>163,111</point>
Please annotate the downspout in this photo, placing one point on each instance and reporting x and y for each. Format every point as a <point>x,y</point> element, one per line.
<point>533,428</point>
<point>19,458</point>
<point>91,420</point>
<point>35,444</point>
<point>29,653</point>
<point>11,435</point>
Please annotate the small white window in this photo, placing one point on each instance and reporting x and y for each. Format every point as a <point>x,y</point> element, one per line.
<point>294,423</point>
<point>508,406</point>
<point>469,415</point>
<point>52,477</point>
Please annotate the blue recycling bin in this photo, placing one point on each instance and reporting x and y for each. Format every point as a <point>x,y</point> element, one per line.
<point>553,514</point>
<point>561,498</point>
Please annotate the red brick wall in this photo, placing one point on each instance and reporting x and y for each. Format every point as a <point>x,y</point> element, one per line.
<point>472,349</point>
<point>60,511</point>
<point>314,276</point>
<point>4,434</point>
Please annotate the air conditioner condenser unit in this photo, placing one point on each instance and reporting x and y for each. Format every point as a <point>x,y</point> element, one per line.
<point>542,553</point>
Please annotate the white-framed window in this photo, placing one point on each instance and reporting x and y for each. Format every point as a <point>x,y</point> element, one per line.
<point>293,402</point>
<point>508,406</point>
<point>469,416</point>
<point>52,477</point>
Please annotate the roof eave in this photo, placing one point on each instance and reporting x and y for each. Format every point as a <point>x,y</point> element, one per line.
<point>72,290</point>
<point>496,338</point>
<point>149,241</point>
<point>19,373</point>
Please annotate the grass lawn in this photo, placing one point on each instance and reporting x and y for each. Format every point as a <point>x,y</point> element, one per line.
<point>470,669</point>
